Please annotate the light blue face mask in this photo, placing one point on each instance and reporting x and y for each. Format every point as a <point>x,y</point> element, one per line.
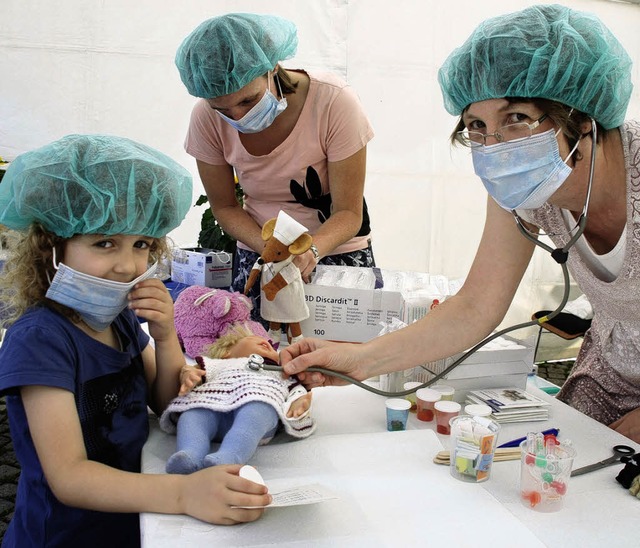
<point>98,301</point>
<point>263,113</point>
<point>522,174</point>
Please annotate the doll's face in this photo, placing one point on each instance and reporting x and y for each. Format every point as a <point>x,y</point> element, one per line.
<point>253,345</point>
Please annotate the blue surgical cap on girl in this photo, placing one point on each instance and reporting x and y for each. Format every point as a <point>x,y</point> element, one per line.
<point>547,52</point>
<point>224,54</point>
<point>95,184</point>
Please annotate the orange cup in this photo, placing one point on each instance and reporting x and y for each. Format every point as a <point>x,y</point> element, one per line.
<point>425,400</point>
<point>445,411</point>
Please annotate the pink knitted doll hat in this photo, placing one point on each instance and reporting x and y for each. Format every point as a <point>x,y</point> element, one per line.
<point>202,314</point>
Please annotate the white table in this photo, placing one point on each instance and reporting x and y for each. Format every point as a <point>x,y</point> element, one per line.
<point>391,493</point>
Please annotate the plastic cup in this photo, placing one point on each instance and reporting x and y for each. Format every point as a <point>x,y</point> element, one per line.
<point>473,445</point>
<point>446,391</point>
<point>544,475</point>
<point>426,399</point>
<point>477,410</point>
<point>445,411</point>
<point>397,414</point>
<point>412,397</point>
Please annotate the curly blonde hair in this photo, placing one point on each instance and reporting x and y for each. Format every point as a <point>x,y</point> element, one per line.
<point>221,348</point>
<point>29,269</point>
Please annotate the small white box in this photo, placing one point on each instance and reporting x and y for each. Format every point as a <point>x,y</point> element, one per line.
<point>350,315</point>
<point>201,266</point>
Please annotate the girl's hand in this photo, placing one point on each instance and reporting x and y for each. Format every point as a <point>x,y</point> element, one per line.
<point>190,377</point>
<point>213,493</point>
<point>150,300</point>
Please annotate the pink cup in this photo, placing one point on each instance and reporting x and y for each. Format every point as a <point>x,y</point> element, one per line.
<point>425,400</point>
<point>445,411</point>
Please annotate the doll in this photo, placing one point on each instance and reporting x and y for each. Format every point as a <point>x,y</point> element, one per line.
<point>232,404</point>
<point>282,298</point>
<point>202,314</point>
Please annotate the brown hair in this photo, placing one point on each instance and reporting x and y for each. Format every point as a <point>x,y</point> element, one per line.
<point>569,121</point>
<point>287,85</point>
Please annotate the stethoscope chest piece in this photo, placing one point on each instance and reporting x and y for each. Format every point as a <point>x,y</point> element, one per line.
<point>256,362</point>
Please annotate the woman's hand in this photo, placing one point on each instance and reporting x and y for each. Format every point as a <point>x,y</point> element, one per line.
<point>306,264</point>
<point>628,425</point>
<point>309,352</point>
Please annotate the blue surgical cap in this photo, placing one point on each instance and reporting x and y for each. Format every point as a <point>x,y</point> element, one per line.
<point>224,54</point>
<point>95,184</point>
<point>548,52</point>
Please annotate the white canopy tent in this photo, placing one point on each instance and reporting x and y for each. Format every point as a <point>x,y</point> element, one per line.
<point>96,66</point>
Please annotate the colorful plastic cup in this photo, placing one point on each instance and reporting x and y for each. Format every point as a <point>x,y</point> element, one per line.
<point>445,411</point>
<point>544,475</point>
<point>473,445</point>
<point>412,397</point>
<point>425,401</point>
<point>446,391</point>
<point>397,414</point>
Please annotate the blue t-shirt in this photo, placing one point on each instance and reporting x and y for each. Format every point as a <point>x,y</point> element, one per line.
<point>44,348</point>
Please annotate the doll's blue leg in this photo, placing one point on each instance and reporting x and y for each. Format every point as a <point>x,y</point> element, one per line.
<point>253,422</point>
<point>195,430</point>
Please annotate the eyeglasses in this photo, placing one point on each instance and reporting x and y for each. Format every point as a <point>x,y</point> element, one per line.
<point>511,132</point>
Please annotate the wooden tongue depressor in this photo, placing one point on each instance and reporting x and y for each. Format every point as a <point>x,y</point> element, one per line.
<point>501,454</point>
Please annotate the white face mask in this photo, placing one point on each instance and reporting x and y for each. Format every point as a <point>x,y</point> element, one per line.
<point>522,174</point>
<point>263,113</point>
<point>98,301</point>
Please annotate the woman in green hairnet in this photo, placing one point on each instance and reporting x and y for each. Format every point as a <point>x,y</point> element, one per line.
<point>542,95</point>
<point>295,140</point>
<point>76,368</point>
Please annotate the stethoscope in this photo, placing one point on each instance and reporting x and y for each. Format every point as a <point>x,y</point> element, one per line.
<point>560,255</point>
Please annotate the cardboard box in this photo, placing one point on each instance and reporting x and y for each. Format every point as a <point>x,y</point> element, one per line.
<point>202,266</point>
<point>494,368</point>
<point>354,304</point>
<point>345,314</point>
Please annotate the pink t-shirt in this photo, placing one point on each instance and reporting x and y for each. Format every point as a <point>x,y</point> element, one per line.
<point>294,176</point>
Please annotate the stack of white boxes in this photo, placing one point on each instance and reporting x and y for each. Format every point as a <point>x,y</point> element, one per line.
<point>503,363</point>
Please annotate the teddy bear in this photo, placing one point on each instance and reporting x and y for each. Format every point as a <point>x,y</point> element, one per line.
<point>282,298</point>
<point>202,314</point>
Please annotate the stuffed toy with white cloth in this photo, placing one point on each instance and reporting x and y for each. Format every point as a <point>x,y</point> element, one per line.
<point>202,314</point>
<point>282,298</point>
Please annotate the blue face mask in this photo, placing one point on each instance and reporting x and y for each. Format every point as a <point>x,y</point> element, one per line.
<point>98,301</point>
<point>522,174</point>
<point>262,115</point>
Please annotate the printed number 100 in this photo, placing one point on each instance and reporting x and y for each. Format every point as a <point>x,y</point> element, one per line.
<point>318,331</point>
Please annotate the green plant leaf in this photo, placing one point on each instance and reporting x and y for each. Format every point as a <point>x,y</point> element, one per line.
<point>211,234</point>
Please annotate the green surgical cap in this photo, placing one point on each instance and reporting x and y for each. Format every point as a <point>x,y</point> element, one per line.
<point>548,52</point>
<point>225,53</point>
<point>95,184</point>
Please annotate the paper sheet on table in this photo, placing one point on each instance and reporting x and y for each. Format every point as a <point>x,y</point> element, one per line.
<point>297,496</point>
<point>390,494</point>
